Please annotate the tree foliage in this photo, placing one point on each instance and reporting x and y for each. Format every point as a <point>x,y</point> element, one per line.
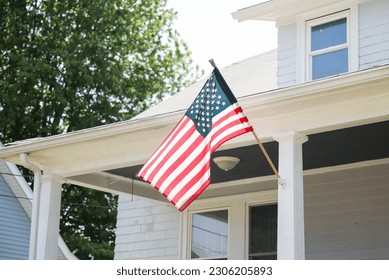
<point>68,65</point>
<point>88,222</point>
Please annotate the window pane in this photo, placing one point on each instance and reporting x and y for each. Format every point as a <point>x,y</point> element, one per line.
<point>263,232</point>
<point>209,234</point>
<point>329,64</point>
<point>329,34</point>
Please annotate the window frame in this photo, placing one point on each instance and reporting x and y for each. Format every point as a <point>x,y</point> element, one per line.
<point>190,224</point>
<point>323,20</point>
<point>321,16</point>
<point>248,205</point>
<point>237,206</point>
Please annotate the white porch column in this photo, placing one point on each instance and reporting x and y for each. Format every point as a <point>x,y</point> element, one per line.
<point>48,218</point>
<point>290,235</point>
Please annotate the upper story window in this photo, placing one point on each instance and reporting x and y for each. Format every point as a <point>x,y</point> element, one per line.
<point>327,41</point>
<point>328,46</point>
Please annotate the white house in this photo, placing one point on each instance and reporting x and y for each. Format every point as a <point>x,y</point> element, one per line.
<point>320,106</point>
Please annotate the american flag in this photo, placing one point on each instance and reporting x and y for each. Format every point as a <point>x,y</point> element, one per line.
<point>180,167</point>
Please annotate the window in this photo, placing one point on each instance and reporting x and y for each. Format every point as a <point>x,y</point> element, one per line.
<point>209,235</point>
<point>263,232</point>
<point>328,45</point>
<point>235,227</point>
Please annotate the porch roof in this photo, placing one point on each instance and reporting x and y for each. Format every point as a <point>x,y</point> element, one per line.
<point>94,157</point>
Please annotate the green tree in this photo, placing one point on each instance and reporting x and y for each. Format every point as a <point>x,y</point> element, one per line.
<point>88,222</point>
<point>68,65</point>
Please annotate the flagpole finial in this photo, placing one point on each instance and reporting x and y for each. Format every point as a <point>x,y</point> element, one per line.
<point>212,62</point>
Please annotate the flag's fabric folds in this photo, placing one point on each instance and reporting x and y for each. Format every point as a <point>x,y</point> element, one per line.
<point>180,167</point>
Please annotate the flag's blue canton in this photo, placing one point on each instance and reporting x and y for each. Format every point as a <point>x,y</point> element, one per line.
<point>210,102</point>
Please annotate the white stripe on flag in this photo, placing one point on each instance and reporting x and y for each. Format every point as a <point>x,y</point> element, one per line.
<point>183,164</point>
<point>192,190</point>
<point>195,171</point>
<point>174,154</point>
<point>167,149</point>
<point>225,112</point>
<point>161,147</point>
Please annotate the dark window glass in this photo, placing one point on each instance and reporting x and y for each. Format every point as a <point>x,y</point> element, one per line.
<point>263,232</point>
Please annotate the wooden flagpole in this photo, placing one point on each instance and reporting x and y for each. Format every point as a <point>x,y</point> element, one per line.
<point>266,155</point>
<point>258,141</point>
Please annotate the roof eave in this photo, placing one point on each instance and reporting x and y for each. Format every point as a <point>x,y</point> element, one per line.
<point>34,144</point>
<point>274,10</point>
<point>271,99</point>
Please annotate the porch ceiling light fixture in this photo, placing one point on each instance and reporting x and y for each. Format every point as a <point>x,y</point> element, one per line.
<point>226,163</point>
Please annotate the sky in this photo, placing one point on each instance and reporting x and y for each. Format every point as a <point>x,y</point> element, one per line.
<point>210,31</point>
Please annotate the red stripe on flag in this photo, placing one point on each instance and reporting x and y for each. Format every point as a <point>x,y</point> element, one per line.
<point>233,112</point>
<point>222,127</point>
<point>160,152</point>
<point>196,195</point>
<point>217,144</point>
<point>155,156</point>
<point>169,151</point>
<point>179,161</point>
<point>192,183</point>
<point>231,125</point>
<point>186,172</point>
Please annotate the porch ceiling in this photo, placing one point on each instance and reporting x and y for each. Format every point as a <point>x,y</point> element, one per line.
<point>343,146</point>
<point>328,149</point>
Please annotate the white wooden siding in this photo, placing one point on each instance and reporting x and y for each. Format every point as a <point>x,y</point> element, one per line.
<point>373,42</point>
<point>348,218</point>
<point>373,33</point>
<point>146,229</point>
<point>287,55</point>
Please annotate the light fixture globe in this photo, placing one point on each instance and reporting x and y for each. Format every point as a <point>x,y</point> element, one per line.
<point>226,163</point>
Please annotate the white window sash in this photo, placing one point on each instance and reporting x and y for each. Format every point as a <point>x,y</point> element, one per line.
<point>237,247</point>
<point>323,14</point>
<point>308,32</point>
<point>189,251</point>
